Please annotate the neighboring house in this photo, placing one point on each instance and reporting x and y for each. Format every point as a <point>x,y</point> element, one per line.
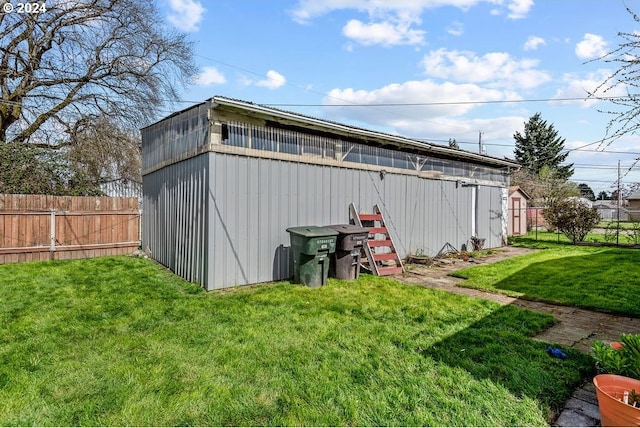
<point>633,206</point>
<point>223,180</point>
<point>518,200</point>
<point>583,201</point>
<point>608,210</point>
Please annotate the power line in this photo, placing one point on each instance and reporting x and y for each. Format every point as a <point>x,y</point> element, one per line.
<point>416,104</point>
<point>580,148</point>
<point>443,103</point>
<point>590,166</point>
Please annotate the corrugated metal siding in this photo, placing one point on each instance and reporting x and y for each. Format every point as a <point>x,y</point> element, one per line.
<point>252,202</point>
<point>490,216</point>
<point>220,219</point>
<point>175,138</point>
<point>174,218</point>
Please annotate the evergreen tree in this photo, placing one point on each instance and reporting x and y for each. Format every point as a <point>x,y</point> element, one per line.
<point>541,146</point>
<point>586,191</point>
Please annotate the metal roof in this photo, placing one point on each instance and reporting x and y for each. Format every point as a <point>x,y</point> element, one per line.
<point>344,129</point>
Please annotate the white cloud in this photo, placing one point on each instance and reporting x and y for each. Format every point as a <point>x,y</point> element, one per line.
<point>394,22</point>
<point>383,33</point>
<point>498,69</point>
<point>446,99</point>
<point>519,9</point>
<point>456,28</point>
<point>592,46</point>
<point>307,10</point>
<point>210,76</point>
<point>577,86</point>
<point>464,130</point>
<point>185,14</point>
<point>533,43</point>
<point>274,80</point>
<point>443,119</point>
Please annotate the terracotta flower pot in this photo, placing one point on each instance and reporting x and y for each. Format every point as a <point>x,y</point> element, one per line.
<point>610,390</point>
<point>617,345</point>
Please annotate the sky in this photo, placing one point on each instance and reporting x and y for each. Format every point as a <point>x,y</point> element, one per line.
<point>470,70</point>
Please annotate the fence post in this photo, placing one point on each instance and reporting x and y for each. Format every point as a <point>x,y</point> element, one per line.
<point>52,245</point>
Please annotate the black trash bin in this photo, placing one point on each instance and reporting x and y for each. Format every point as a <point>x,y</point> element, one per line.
<point>346,260</point>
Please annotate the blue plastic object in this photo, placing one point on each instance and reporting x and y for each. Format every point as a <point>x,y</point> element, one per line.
<point>556,352</point>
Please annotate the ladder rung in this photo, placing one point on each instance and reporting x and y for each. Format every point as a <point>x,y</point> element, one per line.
<point>385,256</point>
<point>391,270</point>
<point>370,217</point>
<point>374,230</point>
<point>383,243</point>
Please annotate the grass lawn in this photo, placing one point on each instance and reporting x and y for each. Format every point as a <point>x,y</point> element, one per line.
<point>601,278</point>
<point>544,238</point>
<point>121,341</point>
<point>614,223</point>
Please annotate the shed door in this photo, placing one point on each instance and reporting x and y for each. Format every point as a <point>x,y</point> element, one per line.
<point>515,217</point>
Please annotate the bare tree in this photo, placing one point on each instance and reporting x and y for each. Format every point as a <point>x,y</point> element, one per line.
<point>104,151</point>
<point>626,109</point>
<point>80,63</point>
<point>546,187</point>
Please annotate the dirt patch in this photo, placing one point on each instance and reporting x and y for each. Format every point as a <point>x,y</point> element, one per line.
<point>436,271</point>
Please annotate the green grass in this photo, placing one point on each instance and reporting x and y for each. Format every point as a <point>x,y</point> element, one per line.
<point>544,239</point>
<point>621,224</point>
<point>600,278</point>
<point>626,237</point>
<point>121,341</point>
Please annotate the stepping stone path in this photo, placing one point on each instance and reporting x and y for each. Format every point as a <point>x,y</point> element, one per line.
<point>576,328</point>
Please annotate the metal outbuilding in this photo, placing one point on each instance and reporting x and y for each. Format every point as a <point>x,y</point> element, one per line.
<point>224,179</point>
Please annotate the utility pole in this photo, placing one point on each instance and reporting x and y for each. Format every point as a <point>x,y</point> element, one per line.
<point>618,205</point>
<point>480,142</point>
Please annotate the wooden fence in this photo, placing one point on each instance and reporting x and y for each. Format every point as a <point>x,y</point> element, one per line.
<point>41,227</point>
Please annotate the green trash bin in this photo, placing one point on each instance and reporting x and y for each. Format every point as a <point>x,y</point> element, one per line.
<point>311,247</point>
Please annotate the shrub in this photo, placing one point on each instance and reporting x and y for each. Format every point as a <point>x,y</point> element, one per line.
<point>572,218</point>
<point>611,232</point>
<point>633,235</point>
<point>624,361</point>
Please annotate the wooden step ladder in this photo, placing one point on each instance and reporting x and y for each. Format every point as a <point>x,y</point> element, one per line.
<point>379,249</point>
